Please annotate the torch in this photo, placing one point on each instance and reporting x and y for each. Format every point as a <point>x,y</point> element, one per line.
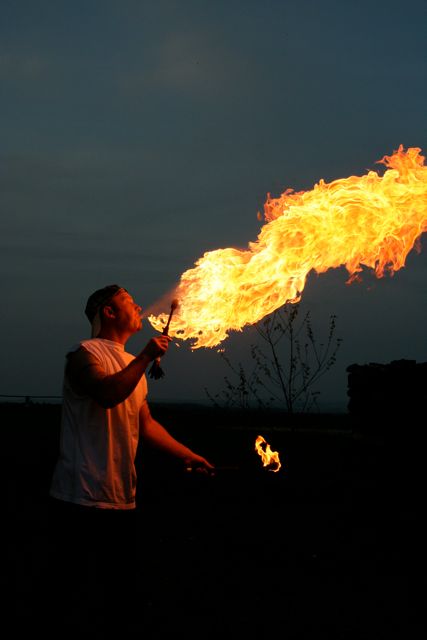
<point>156,371</point>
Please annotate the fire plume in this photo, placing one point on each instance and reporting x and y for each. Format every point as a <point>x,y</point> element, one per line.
<point>269,458</point>
<point>367,221</point>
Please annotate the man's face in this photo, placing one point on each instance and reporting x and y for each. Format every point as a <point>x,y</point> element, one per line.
<point>127,312</point>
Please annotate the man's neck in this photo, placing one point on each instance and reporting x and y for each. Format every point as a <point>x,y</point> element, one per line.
<point>113,335</point>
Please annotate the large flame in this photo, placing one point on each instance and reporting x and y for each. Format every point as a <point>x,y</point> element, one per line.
<point>369,221</point>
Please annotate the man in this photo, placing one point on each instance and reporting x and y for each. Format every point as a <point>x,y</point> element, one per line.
<point>105,409</point>
<point>104,414</point>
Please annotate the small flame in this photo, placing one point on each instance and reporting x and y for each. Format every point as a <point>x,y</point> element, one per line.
<point>269,458</point>
<point>356,222</point>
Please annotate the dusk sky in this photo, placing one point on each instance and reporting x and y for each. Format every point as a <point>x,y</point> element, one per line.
<point>138,135</point>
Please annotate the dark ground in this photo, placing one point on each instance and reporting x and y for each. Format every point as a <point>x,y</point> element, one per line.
<point>331,546</point>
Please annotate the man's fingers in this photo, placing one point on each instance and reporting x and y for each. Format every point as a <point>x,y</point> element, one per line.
<point>157,346</point>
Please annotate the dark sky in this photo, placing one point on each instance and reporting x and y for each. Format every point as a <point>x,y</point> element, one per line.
<point>138,135</point>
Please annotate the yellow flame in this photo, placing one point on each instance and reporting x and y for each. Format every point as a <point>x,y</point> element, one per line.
<point>268,456</point>
<point>369,221</point>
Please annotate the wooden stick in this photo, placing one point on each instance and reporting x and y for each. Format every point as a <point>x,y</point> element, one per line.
<point>174,305</point>
<point>156,371</point>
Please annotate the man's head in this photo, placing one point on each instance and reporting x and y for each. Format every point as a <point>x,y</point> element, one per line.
<point>113,306</point>
<point>99,299</point>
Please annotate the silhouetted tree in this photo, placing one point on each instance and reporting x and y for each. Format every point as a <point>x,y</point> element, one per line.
<point>287,362</point>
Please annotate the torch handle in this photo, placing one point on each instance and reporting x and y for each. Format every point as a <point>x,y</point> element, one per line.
<point>156,371</point>
<point>166,329</point>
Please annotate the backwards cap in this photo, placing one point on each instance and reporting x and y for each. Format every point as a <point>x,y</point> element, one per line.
<point>97,301</point>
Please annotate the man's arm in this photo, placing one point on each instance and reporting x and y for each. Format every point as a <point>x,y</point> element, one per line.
<point>157,436</point>
<point>87,377</point>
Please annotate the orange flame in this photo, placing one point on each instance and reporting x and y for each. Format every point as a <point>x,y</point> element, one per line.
<point>369,221</point>
<point>268,456</point>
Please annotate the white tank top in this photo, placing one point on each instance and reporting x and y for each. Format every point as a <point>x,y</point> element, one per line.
<point>96,464</point>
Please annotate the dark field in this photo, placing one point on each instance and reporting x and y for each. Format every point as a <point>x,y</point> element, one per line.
<point>331,546</point>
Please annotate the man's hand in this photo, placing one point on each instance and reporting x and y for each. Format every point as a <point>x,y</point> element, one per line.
<point>156,347</point>
<point>199,465</point>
